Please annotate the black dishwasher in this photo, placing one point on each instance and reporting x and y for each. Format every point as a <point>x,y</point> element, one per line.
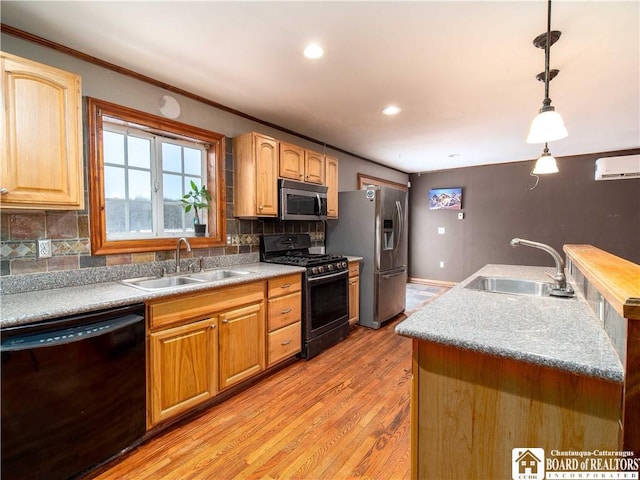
<point>73,392</point>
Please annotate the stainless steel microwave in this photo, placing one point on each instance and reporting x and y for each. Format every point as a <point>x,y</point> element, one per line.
<point>302,201</point>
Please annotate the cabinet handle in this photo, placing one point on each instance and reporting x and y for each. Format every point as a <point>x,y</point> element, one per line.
<point>286,342</point>
<point>285,311</point>
<point>4,191</point>
<point>286,285</point>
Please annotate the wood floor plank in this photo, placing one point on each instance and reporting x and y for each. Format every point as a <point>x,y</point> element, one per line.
<point>341,415</point>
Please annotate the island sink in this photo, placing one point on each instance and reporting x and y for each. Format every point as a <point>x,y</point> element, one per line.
<point>512,286</point>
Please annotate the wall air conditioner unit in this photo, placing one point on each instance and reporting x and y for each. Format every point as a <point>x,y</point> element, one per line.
<point>616,168</point>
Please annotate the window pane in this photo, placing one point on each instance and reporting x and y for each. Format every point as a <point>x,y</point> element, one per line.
<point>193,161</point>
<point>171,157</point>
<point>140,217</point>
<point>139,185</point>
<point>113,144</point>
<point>173,217</point>
<point>172,187</point>
<point>115,216</point>
<point>139,152</point>
<point>114,182</point>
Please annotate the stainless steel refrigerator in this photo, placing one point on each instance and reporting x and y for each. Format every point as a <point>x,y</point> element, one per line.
<point>372,224</point>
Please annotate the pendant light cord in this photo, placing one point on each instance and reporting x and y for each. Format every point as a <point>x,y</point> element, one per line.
<point>547,54</point>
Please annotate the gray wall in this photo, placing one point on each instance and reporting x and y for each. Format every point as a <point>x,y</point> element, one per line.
<point>569,207</point>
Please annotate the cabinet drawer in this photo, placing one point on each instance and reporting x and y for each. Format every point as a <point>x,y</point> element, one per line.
<point>174,310</point>
<point>354,269</point>
<point>285,310</point>
<point>285,342</point>
<point>285,285</point>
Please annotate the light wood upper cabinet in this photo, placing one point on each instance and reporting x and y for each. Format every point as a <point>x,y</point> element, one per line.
<point>313,167</point>
<point>184,368</point>
<point>255,192</point>
<point>297,163</point>
<point>291,162</point>
<point>331,165</point>
<point>241,344</point>
<point>41,164</point>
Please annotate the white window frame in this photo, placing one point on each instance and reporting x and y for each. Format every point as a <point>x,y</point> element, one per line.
<point>156,173</point>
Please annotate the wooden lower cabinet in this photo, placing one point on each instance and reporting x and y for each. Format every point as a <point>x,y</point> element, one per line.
<point>241,344</point>
<point>205,342</point>
<point>469,410</point>
<point>284,323</point>
<point>184,369</point>
<point>354,292</point>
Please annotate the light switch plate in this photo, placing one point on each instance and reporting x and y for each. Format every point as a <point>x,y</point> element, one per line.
<point>44,248</point>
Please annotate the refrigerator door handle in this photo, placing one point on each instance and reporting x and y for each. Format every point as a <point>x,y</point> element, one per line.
<point>400,223</point>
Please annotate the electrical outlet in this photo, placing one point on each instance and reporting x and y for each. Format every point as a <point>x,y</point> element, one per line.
<point>441,230</point>
<point>460,215</point>
<point>44,248</point>
<point>441,264</point>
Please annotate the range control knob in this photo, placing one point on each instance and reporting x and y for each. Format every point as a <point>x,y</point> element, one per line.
<point>330,267</point>
<point>321,269</point>
<point>314,270</point>
<point>343,264</point>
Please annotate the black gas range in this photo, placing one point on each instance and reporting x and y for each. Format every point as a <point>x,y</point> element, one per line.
<point>325,295</point>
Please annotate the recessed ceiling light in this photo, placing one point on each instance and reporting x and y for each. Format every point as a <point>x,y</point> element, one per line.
<point>392,110</point>
<point>313,51</point>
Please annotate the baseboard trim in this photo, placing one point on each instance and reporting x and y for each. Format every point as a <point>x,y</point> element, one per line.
<point>435,283</point>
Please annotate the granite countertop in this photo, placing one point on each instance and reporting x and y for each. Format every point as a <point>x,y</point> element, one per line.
<point>551,332</point>
<point>29,307</point>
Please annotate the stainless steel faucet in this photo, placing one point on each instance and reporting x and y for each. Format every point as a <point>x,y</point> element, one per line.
<point>186,242</point>
<point>559,277</point>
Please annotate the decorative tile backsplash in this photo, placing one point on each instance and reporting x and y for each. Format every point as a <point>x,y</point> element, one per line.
<point>71,248</point>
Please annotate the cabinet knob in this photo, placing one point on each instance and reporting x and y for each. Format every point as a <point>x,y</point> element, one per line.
<point>225,321</point>
<point>213,325</point>
<point>260,207</point>
<point>4,191</point>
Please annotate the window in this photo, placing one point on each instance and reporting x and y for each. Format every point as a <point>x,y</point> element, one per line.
<point>140,167</point>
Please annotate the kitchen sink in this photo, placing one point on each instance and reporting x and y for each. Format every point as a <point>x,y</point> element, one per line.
<point>212,275</point>
<point>513,286</point>
<point>156,283</point>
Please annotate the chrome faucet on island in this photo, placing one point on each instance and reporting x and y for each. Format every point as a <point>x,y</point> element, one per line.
<point>188,245</point>
<point>560,288</point>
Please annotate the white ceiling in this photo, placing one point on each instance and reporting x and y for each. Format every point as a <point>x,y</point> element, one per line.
<point>462,72</point>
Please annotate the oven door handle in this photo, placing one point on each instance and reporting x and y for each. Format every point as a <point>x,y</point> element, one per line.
<point>319,204</point>
<point>344,273</point>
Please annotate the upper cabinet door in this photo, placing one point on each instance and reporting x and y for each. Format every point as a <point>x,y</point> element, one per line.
<point>314,167</point>
<point>41,164</point>
<point>255,176</point>
<point>266,177</point>
<point>291,162</point>
<point>332,186</point>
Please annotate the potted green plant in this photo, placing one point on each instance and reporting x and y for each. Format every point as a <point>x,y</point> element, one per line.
<point>197,199</point>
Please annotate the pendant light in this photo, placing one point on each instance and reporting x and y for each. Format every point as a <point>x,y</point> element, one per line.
<point>546,163</point>
<point>548,125</point>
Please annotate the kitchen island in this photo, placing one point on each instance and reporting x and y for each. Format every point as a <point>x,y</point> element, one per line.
<point>495,372</point>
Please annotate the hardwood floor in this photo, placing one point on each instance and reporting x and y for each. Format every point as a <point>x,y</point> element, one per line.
<point>342,415</point>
